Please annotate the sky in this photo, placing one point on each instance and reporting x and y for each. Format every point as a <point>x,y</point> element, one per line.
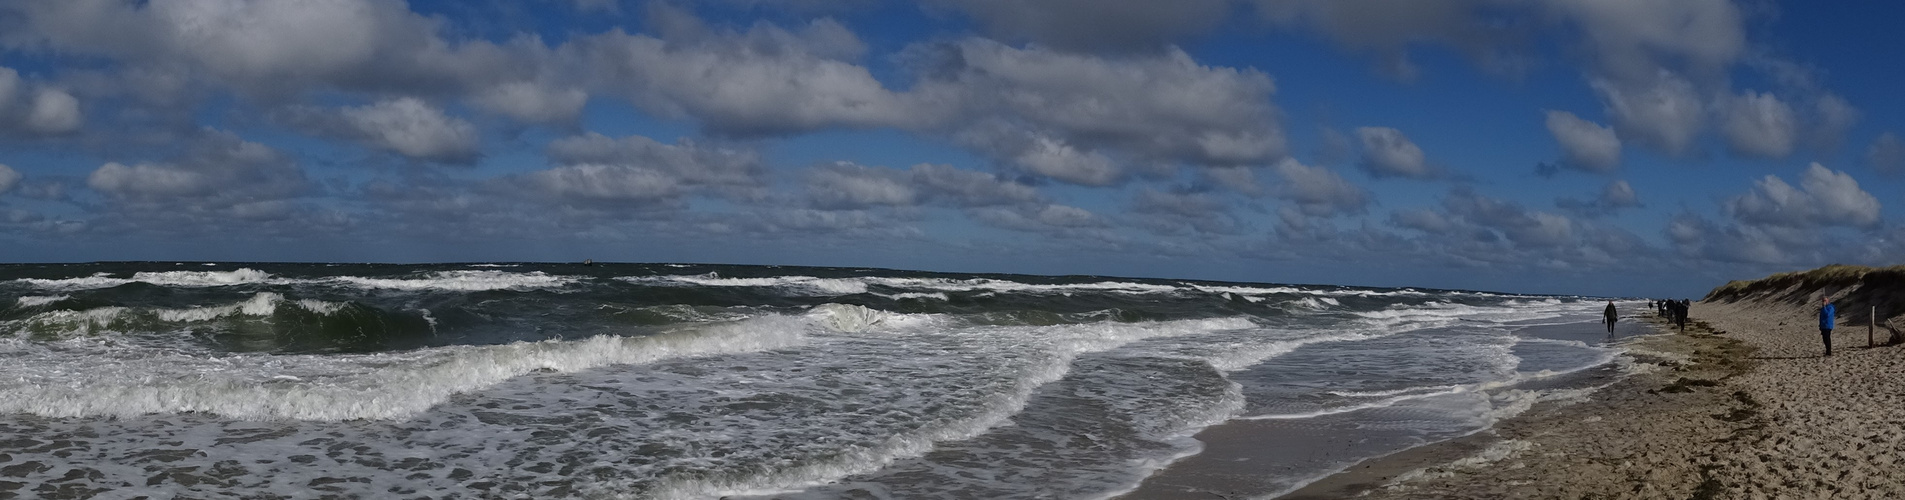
<point>1599,147</point>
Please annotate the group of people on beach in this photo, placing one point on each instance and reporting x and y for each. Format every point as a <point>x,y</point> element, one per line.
<point>1674,310</point>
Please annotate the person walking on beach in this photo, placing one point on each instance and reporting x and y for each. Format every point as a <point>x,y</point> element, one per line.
<point>1826,311</point>
<point>1610,317</point>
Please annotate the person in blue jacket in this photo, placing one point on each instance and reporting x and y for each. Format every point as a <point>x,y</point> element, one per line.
<point>1826,311</point>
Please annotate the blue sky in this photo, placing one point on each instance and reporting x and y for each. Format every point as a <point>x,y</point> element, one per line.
<point>1611,147</point>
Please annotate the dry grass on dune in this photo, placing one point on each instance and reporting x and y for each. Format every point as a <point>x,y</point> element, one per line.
<point>1857,291</point>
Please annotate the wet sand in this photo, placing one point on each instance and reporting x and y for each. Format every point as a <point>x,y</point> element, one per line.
<point>1649,435</point>
<point>1743,405</point>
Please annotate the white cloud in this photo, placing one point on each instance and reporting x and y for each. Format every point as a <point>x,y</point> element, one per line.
<point>1067,216</point>
<point>1759,125</point>
<point>845,185</point>
<point>8,178</point>
<point>1584,144</point>
<point>1387,28</point>
<point>732,171</point>
<point>1824,198</point>
<point>1174,212</point>
<point>413,128</point>
<point>1388,153</point>
<point>36,109</point>
<point>1526,228</point>
<point>1886,154</point>
<point>1052,158</point>
<point>269,48</point>
<point>531,102</point>
<point>1829,120</point>
<point>605,183</point>
<point>1421,219</point>
<point>1617,195</point>
<point>1093,25</point>
<point>635,170</point>
<point>1695,236</point>
<point>1664,113</point>
<point>849,186</point>
<point>1050,218</point>
<point>1655,65</point>
<point>765,81</point>
<point>969,188</point>
<point>219,170</point>
<point>1066,110</point>
<point>1318,191</point>
<point>1633,39</point>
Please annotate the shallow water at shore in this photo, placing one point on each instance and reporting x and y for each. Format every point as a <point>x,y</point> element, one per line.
<point>680,381</point>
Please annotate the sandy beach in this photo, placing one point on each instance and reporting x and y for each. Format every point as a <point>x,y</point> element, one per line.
<point>1742,405</point>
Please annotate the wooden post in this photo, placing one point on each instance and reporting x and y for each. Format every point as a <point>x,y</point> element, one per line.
<point>1872,323</point>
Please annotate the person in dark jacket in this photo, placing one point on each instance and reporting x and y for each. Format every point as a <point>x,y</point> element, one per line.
<point>1609,317</point>
<point>1826,311</point>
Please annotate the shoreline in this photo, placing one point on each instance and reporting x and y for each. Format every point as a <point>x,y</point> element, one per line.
<point>1742,405</point>
<point>1643,435</point>
<point>1237,454</point>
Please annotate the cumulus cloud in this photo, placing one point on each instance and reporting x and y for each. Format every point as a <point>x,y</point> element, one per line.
<point>1664,112</point>
<point>415,129</point>
<point>1830,117</point>
<point>968,187</point>
<point>1824,197</point>
<point>1421,219</point>
<point>1636,38</point>
<point>35,109</point>
<point>1584,144</point>
<point>1060,161</point>
<point>1617,195</point>
<point>1470,229</point>
<point>1759,125</point>
<point>1386,28</point>
<point>845,185</point>
<point>8,178</point>
<point>1525,228</point>
<point>1075,117</point>
<point>605,183</point>
<point>406,126</point>
<point>763,81</point>
<point>283,51</point>
<point>1051,218</point>
<point>849,186</point>
<point>1886,154</point>
<point>1318,191</point>
<point>1175,212</point>
<point>218,171</point>
<point>1695,236</point>
<point>639,170</point>
<point>532,102</point>
<point>275,48</point>
<point>1093,25</point>
<point>1655,65</point>
<point>1388,153</point>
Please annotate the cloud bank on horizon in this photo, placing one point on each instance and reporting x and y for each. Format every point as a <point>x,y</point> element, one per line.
<point>1622,147</point>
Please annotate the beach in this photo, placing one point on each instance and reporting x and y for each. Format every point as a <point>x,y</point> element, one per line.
<point>1741,405</point>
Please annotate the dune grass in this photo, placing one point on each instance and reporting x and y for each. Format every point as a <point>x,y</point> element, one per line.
<point>1831,276</point>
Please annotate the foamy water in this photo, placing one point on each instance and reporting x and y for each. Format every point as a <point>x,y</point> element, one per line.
<point>677,381</point>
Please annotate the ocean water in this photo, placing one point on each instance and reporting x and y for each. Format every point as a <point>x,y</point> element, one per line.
<point>218,380</point>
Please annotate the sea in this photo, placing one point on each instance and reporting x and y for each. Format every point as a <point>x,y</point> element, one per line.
<point>522,380</point>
